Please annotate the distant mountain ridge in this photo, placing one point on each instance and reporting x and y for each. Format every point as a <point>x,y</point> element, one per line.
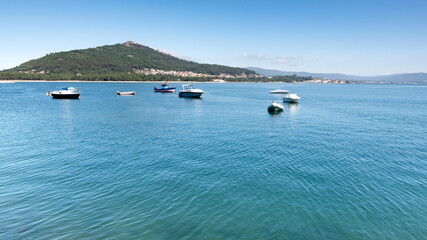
<point>394,78</point>
<point>118,58</point>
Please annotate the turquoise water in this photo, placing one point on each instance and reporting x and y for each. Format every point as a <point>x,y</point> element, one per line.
<point>347,162</point>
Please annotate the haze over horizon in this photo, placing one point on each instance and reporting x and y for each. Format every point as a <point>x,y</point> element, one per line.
<point>357,38</point>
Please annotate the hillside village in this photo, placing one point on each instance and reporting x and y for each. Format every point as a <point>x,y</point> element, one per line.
<point>148,71</point>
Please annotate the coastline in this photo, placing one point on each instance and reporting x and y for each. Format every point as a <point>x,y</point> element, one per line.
<point>195,82</point>
<point>182,82</point>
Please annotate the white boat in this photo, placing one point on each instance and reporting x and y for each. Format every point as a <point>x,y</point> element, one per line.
<point>66,93</point>
<point>275,107</point>
<point>189,91</point>
<point>126,93</point>
<point>219,81</point>
<point>291,98</point>
<point>279,91</point>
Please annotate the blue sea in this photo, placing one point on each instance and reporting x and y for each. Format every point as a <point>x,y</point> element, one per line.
<point>347,162</point>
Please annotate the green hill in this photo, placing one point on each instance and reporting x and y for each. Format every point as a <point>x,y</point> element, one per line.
<point>129,61</point>
<point>118,58</point>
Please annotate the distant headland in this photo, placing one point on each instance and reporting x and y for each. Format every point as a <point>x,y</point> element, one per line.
<point>130,61</point>
<point>402,78</point>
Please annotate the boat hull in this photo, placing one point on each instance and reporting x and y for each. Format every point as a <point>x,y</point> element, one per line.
<point>164,90</point>
<point>125,93</point>
<point>279,91</point>
<point>290,100</point>
<point>190,94</point>
<point>65,96</point>
<point>274,109</point>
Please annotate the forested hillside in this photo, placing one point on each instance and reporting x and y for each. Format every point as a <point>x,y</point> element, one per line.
<point>118,58</point>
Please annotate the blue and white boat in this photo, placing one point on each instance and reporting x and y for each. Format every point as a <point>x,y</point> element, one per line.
<point>66,93</point>
<point>164,88</point>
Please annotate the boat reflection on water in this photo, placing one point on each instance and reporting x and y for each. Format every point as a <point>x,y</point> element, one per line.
<point>291,107</point>
<point>67,116</point>
<point>275,114</point>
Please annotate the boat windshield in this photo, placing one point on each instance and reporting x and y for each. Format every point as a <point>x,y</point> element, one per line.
<point>71,89</point>
<point>187,87</point>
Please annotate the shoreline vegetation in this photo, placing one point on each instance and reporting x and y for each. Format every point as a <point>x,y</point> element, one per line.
<point>134,77</point>
<point>86,81</point>
<point>185,82</point>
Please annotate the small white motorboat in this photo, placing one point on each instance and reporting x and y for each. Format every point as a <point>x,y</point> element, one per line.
<point>275,107</point>
<point>291,98</point>
<point>189,91</point>
<point>279,91</point>
<point>126,93</point>
<point>65,93</point>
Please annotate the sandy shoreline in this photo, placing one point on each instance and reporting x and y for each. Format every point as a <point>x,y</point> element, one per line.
<point>182,82</point>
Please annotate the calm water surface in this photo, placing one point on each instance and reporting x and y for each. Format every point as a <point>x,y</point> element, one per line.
<point>347,162</point>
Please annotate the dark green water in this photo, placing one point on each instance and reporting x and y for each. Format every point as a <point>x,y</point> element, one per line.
<point>347,162</point>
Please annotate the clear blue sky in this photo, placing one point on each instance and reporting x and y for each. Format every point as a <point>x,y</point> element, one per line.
<point>352,37</point>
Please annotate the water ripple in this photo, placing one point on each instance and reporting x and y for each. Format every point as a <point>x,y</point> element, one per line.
<point>157,166</point>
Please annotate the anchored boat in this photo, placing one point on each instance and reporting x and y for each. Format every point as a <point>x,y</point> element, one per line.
<point>291,98</point>
<point>164,88</point>
<point>275,107</point>
<point>65,93</point>
<point>126,93</point>
<point>189,91</point>
<point>279,91</point>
